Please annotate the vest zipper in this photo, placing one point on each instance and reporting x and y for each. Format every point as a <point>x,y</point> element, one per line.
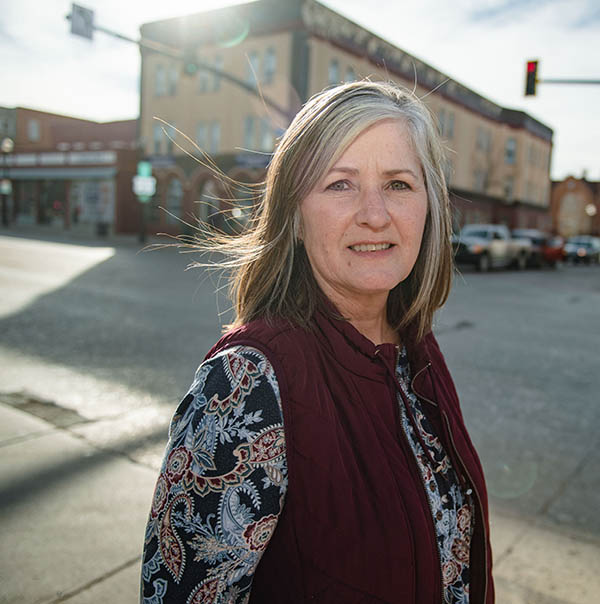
<point>412,385</point>
<point>428,456</point>
<point>485,535</point>
<point>462,480</point>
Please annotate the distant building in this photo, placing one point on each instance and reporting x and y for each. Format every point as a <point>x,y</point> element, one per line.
<point>499,158</point>
<point>71,172</point>
<point>575,207</point>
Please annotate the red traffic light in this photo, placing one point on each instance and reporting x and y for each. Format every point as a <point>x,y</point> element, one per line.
<point>531,78</point>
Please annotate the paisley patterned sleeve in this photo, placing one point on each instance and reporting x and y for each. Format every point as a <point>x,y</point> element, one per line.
<point>222,485</point>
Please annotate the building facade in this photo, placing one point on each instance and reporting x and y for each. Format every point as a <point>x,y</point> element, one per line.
<point>71,173</point>
<point>575,207</point>
<point>498,159</point>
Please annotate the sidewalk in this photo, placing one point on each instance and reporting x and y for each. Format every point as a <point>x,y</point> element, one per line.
<point>73,519</point>
<point>73,516</point>
<point>82,234</point>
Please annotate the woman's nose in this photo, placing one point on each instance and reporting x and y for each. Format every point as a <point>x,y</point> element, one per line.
<point>373,211</point>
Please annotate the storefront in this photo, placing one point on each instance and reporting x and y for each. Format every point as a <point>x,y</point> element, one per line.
<point>79,190</point>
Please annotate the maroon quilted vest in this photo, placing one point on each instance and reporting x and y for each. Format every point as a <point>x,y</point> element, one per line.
<point>356,525</point>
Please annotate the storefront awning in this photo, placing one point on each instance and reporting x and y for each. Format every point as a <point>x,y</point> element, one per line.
<point>83,173</point>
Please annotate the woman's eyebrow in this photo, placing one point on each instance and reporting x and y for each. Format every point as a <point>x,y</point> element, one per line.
<point>391,172</point>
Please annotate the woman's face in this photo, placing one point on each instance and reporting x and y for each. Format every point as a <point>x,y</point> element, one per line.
<point>363,223</point>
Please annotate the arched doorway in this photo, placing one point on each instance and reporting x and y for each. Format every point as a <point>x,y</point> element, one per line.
<point>174,201</point>
<point>207,202</point>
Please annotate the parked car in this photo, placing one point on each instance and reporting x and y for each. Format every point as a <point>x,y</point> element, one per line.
<point>545,248</point>
<point>583,249</point>
<point>489,246</point>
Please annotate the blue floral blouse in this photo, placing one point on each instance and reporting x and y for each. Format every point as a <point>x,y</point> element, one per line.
<point>223,482</point>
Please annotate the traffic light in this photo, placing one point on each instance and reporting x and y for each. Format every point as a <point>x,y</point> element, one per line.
<point>190,61</point>
<point>531,78</point>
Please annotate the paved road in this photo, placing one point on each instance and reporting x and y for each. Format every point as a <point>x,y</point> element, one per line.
<point>112,338</point>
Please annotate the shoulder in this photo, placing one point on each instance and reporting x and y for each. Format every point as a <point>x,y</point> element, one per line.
<point>283,343</point>
<point>264,334</point>
<point>232,379</point>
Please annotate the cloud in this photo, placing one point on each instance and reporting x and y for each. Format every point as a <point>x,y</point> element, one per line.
<point>589,17</point>
<point>495,13</point>
<point>574,14</point>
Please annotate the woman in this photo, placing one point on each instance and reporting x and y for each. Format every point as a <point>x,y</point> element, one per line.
<point>321,453</point>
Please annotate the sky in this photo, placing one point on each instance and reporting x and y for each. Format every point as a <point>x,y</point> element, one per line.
<point>483,44</point>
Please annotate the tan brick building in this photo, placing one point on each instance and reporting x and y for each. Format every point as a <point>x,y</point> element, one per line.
<point>498,158</point>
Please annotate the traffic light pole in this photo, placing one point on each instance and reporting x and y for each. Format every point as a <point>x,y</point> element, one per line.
<point>532,80</point>
<point>559,81</point>
<point>179,55</point>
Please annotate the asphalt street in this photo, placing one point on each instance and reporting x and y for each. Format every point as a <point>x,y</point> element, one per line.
<point>101,340</point>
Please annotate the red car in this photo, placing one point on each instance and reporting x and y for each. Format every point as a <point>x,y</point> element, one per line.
<point>546,249</point>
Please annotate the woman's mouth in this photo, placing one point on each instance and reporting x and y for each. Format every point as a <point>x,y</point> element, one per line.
<point>370,247</point>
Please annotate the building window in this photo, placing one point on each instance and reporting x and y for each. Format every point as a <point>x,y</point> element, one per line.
<point>157,138</point>
<point>174,201</point>
<point>170,129</point>
<point>219,64</point>
<point>448,172</point>
<point>529,191</point>
<point>204,78</point>
<point>270,65</point>
<point>509,186</point>
<point>215,137</point>
<point>446,122</point>
<point>266,135</point>
<point>253,68</point>
<point>480,181</point>
<point>249,132</point>
<point>160,81</point>
<point>33,130</point>
<point>173,77</point>
<point>510,151</point>
<point>484,139</point>
<point>450,125</point>
<point>333,74</point>
<point>350,75</point>
<point>201,136</point>
<point>441,120</point>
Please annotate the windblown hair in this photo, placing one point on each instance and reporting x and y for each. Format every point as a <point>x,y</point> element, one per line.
<point>271,275</point>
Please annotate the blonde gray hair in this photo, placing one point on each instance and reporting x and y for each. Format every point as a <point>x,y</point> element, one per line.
<point>271,274</point>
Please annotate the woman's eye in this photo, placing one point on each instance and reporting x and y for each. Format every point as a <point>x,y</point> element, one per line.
<point>338,185</point>
<point>399,185</point>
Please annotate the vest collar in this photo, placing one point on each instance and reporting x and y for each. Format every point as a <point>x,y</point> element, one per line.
<point>356,351</point>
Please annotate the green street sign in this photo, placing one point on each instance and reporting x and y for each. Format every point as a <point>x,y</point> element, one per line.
<point>144,168</point>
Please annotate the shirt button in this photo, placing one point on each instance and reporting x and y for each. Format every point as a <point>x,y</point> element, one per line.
<point>469,491</point>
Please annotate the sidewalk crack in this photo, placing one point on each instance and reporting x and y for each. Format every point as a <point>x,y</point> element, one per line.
<point>71,594</point>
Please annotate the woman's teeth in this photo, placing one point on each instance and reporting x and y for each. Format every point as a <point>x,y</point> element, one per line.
<point>370,247</point>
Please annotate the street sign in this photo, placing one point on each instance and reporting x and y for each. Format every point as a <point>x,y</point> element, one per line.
<point>144,187</point>
<point>82,21</point>
<point>144,168</point>
<point>5,186</point>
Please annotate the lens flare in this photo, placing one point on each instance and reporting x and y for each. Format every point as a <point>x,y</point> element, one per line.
<point>232,32</point>
<point>508,480</point>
